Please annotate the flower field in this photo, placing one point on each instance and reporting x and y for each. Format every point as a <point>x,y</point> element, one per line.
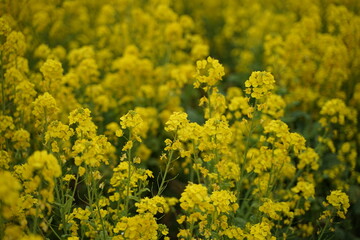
<point>164,119</point>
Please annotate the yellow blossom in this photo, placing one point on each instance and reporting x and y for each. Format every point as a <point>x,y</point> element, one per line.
<point>208,72</point>
<point>195,195</point>
<point>340,201</point>
<point>21,139</point>
<point>9,188</point>
<point>260,84</point>
<point>52,70</point>
<point>223,201</point>
<point>138,227</point>
<point>45,108</point>
<point>176,121</point>
<point>306,188</point>
<point>133,121</point>
<point>153,205</point>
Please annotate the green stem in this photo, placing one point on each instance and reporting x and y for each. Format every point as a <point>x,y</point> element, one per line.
<point>2,226</point>
<point>245,201</point>
<point>60,201</point>
<point>195,155</point>
<point>68,209</point>
<point>36,218</point>
<point>90,190</point>
<point>191,229</point>
<point>128,180</point>
<point>75,186</point>
<point>292,219</point>
<point>208,93</point>
<point>102,220</point>
<point>163,180</point>
<point>247,146</point>
<point>53,230</point>
<point>45,126</point>
<point>324,229</point>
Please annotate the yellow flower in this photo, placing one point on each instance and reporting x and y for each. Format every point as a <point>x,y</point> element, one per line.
<point>308,157</point>
<point>176,121</point>
<point>195,195</point>
<point>6,127</point>
<point>21,139</point>
<point>32,237</point>
<point>9,188</point>
<point>68,177</point>
<point>261,230</point>
<point>208,72</point>
<point>73,238</point>
<point>119,133</point>
<point>45,108</point>
<point>15,45</point>
<point>81,214</point>
<point>335,111</point>
<point>240,106</point>
<point>128,145</point>
<point>228,170</point>
<point>153,205</point>
<point>184,234</point>
<point>4,159</point>
<point>85,127</point>
<point>259,84</point>
<point>223,201</point>
<point>274,209</point>
<point>58,130</point>
<point>52,70</point>
<point>306,188</point>
<point>340,201</point>
<point>120,176</point>
<point>13,232</point>
<point>274,106</point>
<point>45,161</point>
<point>25,93</point>
<point>234,232</point>
<point>81,171</point>
<point>141,226</point>
<point>133,121</point>
<point>5,29</point>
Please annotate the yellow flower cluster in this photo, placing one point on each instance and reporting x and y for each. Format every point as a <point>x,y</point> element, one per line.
<point>223,201</point>
<point>259,84</point>
<point>10,188</point>
<point>261,231</point>
<point>340,201</point>
<point>137,227</point>
<point>45,109</point>
<point>306,188</point>
<point>176,120</point>
<point>273,209</point>
<point>335,111</point>
<point>153,205</point>
<point>58,134</point>
<point>208,72</point>
<point>195,195</point>
<point>21,139</point>
<point>122,126</point>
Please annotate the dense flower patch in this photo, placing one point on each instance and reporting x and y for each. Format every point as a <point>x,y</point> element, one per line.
<point>169,119</point>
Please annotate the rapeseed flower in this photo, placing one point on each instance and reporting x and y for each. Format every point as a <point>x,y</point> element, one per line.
<point>208,72</point>
<point>260,84</point>
<point>340,201</point>
<point>87,111</point>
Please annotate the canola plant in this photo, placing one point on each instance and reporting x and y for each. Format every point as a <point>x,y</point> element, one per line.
<point>161,119</point>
